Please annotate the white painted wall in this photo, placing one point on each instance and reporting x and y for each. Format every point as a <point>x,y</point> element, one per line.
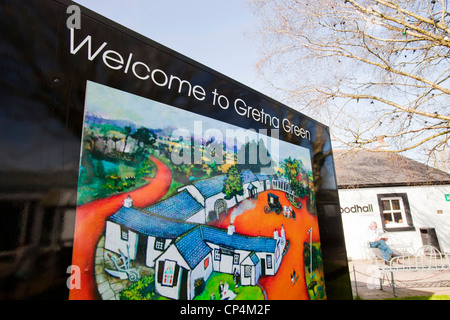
<point>152,253</point>
<point>428,205</point>
<point>199,271</point>
<point>114,242</point>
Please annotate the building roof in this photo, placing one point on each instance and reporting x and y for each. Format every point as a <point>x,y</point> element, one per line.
<point>248,176</point>
<point>180,207</point>
<point>262,176</point>
<point>211,186</point>
<point>150,224</point>
<point>238,241</point>
<point>251,259</point>
<point>364,168</point>
<point>191,238</point>
<point>192,246</point>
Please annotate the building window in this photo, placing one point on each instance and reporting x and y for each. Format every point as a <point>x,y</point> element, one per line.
<point>395,212</point>
<point>124,234</point>
<point>159,244</point>
<point>269,261</point>
<point>169,273</point>
<point>247,271</point>
<point>217,254</point>
<point>236,258</point>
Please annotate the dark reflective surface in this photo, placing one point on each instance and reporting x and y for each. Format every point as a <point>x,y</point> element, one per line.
<point>42,92</point>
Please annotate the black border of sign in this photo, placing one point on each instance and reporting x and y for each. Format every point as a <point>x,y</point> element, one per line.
<point>330,224</point>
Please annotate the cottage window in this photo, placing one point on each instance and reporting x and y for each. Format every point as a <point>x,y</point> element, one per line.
<point>269,261</point>
<point>236,258</point>
<point>247,271</point>
<point>217,254</point>
<point>124,234</point>
<point>169,273</point>
<point>159,244</point>
<point>395,212</point>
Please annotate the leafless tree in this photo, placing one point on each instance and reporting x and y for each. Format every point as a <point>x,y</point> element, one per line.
<point>370,69</point>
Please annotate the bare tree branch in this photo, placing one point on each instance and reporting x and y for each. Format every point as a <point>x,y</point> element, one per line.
<point>381,66</point>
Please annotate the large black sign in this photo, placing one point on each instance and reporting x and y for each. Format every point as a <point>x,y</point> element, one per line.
<point>92,116</point>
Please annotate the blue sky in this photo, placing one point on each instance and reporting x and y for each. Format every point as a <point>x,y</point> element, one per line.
<point>218,34</point>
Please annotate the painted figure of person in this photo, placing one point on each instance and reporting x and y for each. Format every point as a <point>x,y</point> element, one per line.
<point>236,278</point>
<point>221,288</point>
<point>294,277</point>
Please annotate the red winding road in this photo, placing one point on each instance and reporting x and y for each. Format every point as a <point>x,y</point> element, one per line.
<point>90,224</point>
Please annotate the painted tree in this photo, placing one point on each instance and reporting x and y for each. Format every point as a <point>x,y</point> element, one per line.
<point>233,185</point>
<point>127,132</point>
<point>297,177</point>
<point>370,69</point>
<point>145,139</point>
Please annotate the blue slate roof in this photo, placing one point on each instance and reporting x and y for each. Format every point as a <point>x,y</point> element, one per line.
<point>262,176</point>
<point>214,185</point>
<point>211,186</point>
<point>150,224</point>
<point>238,241</point>
<point>248,176</point>
<point>253,258</point>
<point>192,247</point>
<point>180,207</point>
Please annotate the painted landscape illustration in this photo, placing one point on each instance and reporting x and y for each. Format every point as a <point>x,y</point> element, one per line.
<point>174,205</point>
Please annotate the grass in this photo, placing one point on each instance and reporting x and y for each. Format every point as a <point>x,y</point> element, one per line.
<point>144,289</point>
<point>242,292</point>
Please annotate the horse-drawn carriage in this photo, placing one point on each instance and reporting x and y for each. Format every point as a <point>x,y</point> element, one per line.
<point>273,204</point>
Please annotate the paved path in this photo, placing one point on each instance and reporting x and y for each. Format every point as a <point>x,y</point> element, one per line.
<point>407,283</point>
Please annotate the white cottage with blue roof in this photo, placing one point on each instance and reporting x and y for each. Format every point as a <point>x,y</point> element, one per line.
<point>208,193</point>
<point>205,249</point>
<point>183,252</point>
<point>131,228</point>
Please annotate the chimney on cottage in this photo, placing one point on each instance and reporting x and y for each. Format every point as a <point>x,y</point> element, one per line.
<point>128,202</point>
<point>231,229</point>
<point>275,234</point>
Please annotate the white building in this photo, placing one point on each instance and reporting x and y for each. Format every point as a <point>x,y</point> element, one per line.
<point>208,193</point>
<point>171,237</point>
<point>199,252</point>
<point>407,199</point>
